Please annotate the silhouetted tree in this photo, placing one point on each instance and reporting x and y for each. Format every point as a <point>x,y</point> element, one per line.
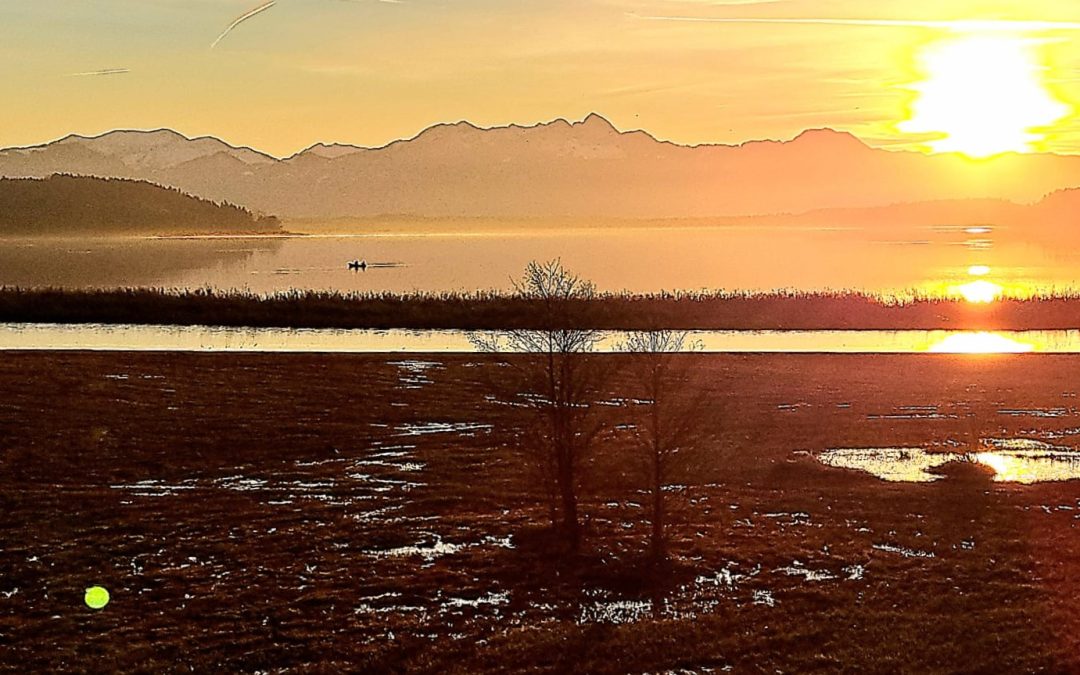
<point>667,416</point>
<point>553,381</point>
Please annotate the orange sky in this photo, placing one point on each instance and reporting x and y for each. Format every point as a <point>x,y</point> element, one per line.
<point>370,71</point>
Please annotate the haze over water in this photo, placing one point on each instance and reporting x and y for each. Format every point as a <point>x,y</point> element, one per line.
<point>486,257</point>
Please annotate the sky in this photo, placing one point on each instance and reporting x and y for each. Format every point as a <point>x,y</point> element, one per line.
<point>691,71</point>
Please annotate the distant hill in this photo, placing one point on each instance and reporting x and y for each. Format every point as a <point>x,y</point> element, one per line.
<point>73,205</point>
<point>1061,205</point>
<point>559,169</point>
<point>1055,216</point>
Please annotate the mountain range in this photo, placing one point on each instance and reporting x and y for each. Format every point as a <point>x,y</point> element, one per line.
<point>560,169</point>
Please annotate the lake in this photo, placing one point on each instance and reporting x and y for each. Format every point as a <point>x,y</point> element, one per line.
<point>637,259</point>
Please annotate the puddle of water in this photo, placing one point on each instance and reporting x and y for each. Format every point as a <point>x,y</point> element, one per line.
<point>904,551</point>
<point>725,578</point>
<point>428,551</point>
<point>796,569</point>
<point>901,465</point>
<point>499,542</point>
<point>1034,412</point>
<point>616,611</point>
<point>763,597</point>
<point>855,572</point>
<point>1013,460</point>
<point>424,428</point>
<point>912,416</point>
<point>414,374</point>
<point>351,490</point>
<point>492,598</point>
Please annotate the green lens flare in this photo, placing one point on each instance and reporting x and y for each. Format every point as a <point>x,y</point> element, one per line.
<point>96,597</point>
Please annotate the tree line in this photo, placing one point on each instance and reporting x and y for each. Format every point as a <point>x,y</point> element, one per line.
<point>66,205</point>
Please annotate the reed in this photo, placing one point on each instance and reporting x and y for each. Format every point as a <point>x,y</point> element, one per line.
<point>776,310</point>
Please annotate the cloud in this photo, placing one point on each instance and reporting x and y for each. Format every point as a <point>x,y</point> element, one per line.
<point>241,19</point>
<point>105,71</point>
<point>992,26</point>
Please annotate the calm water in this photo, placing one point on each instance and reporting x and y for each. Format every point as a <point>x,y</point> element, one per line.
<point>639,259</point>
<point>216,338</point>
<point>1011,460</point>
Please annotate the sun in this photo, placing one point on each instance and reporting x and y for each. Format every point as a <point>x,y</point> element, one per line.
<point>978,292</point>
<point>983,95</point>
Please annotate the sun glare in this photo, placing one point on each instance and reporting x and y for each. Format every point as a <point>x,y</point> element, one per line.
<point>980,343</point>
<point>983,95</point>
<point>1006,469</point>
<point>980,291</point>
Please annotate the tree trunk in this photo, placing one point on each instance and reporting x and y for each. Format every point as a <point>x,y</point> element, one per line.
<point>553,503</point>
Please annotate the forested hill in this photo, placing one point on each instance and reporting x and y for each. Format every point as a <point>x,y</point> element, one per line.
<point>64,205</point>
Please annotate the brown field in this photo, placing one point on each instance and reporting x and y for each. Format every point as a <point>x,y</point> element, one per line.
<point>327,513</point>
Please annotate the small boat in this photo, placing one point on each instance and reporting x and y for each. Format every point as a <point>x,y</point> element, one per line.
<point>358,265</point>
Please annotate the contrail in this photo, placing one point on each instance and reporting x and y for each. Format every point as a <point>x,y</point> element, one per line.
<point>989,26</point>
<point>241,19</point>
<point>733,3</point>
<point>106,71</point>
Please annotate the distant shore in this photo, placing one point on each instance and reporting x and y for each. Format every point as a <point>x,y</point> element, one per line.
<point>489,311</point>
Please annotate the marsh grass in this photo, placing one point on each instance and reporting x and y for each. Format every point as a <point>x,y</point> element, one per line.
<point>777,310</point>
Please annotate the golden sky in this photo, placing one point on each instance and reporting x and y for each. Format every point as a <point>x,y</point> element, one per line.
<point>692,71</point>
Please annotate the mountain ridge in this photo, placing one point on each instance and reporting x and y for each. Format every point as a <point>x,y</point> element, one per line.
<point>560,168</point>
<point>558,121</point>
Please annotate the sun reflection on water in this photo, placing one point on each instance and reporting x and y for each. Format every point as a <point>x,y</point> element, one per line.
<point>894,465</point>
<point>1031,466</point>
<point>981,342</point>
<point>1011,469</point>
<point>1021,461</point>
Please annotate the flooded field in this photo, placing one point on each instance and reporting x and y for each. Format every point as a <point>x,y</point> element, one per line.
<point>1012,460</point>
<point>311,512</point>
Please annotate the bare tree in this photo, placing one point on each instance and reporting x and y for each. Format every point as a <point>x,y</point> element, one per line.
<point>552,380</point>
<point>667,418</point>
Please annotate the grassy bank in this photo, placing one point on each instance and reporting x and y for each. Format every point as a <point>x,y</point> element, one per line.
<point>318,309</point>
